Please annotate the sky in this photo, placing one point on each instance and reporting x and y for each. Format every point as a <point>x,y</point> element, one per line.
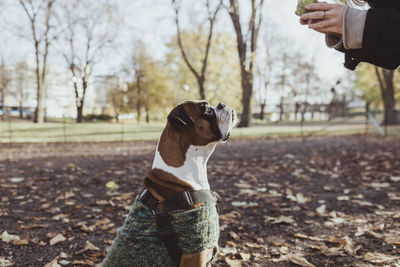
<point>281,13</point>
<point>151,21</point>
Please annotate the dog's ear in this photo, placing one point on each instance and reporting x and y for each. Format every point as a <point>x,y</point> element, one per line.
<point>179,118</point>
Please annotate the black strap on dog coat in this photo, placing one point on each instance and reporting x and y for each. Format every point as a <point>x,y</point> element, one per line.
<point>182,200</point>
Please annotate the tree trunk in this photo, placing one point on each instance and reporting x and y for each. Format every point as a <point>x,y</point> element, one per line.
<point>80,101</point>
<point>21,112</point>
<point>3,115</point>
<point>202,90</point>
<point>247,92</point>
<point>79,113</point>
<point>385,78</point>
<point>262,111</point>
<point>147,115</point>
<point>296,110</point>
<point>281,111</point>
<point>138,112</point>
<point>303,112</point>
<point>246,56</point>
<point>39,111</point>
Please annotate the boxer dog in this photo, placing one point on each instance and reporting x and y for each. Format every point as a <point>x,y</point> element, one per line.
<point>192,131</point>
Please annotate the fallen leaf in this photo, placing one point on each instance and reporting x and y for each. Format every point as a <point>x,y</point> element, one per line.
<point>301,199</point>
<point>329,252</point>
<point>349,245</point>
<point>247,192</point>
<point>46,205</point>
<point>84,262</point>
<point>242,185</point>
<point>16,179</point>
<point>102,221</point>
<point>53,263</point>
<point>227,250</point>
<point>239,203</point>
<point>63,255</point>
<point>245,256</point>
<point>299,260</point>
<point>88,246</point>
<point>21,242</point>
<point>380,185</point>
<point>284,219</point>
<point>102,202</point>
<point>296,259</point>
<point>395,179</point>
<point>111,184</point>
<point>5,263</point>
<point>284,250</point>
<point>314,238</point>
<point>376,257</point>
<point>234,235</point>
<point>58,238</point>
<point>321,210</point>
<point>233,263</point>
<point>64,262</point>
<point>395,240</point>
<point>338,220</point>
<point>6,237</point>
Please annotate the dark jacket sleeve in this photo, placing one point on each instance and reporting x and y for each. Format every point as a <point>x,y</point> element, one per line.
<point>381,40</point>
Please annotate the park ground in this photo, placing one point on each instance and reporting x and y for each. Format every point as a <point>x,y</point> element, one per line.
<point>313,201</point>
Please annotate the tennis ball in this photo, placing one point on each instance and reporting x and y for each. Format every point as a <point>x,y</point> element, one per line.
<point>301,6</point>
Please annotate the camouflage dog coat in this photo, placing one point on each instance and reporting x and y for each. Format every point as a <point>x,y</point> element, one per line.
<point>137,242</point>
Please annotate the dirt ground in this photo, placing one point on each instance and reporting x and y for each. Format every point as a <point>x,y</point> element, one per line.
<point>320,201</point>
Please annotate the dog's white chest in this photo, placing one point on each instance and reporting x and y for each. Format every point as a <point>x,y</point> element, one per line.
<point>194,169</point>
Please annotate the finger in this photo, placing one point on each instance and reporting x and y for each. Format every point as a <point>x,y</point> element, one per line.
<point>320,6</point>
<point>303,22</point>
<point>312,21</point>
<point>320,25</point>
<point>313,15</point>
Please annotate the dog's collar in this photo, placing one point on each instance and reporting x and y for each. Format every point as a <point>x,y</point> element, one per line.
<point>182,200</point>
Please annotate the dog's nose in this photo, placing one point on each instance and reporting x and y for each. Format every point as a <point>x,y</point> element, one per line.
<point>221,106</point>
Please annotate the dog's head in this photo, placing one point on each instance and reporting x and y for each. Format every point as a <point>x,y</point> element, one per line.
<point>201,124</point>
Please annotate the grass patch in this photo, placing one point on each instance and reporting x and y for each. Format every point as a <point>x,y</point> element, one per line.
<point>23,131</point>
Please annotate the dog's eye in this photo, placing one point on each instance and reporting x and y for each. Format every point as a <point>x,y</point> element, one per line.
<point>209,111</point>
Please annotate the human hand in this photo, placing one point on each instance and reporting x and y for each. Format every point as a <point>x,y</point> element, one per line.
<point>324,18</point>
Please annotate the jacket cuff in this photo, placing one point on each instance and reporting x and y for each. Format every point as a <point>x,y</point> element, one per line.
<point>333,41</point>
<point>353,27</point>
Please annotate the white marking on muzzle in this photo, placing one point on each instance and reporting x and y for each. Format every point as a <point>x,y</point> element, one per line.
<point>226,119</point>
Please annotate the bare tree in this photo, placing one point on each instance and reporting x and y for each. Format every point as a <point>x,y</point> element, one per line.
<point>88,29</point>
<point>138,60</point>
<point>247,47</point>
<point>266,67</point>
<point>21,81</point>
<point>310,78</point>
<point>285,60</point>
<point>4,82</point>
<point>42,39</point>
<point>211,18</point>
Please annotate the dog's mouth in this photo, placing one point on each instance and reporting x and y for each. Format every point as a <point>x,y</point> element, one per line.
<point>227,119</point>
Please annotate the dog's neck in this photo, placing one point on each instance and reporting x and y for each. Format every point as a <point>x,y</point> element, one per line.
<point>193,166</point>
